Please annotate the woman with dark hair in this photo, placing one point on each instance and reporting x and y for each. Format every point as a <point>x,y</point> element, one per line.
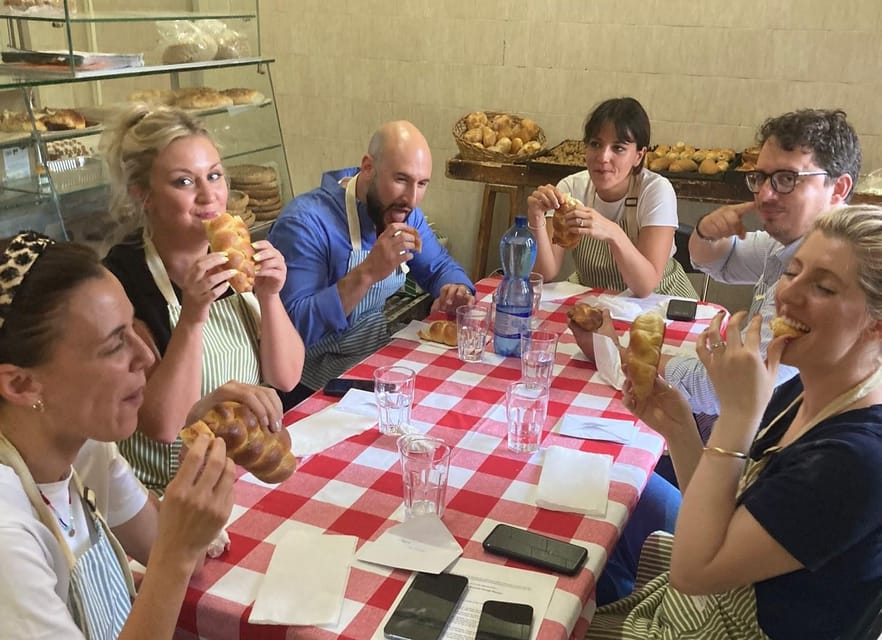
<point>625,217</point>
<point>72,379</point>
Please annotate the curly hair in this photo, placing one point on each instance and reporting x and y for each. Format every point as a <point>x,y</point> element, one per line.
<point>826,133</point>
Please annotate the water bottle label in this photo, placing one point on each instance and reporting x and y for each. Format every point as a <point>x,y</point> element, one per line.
<point>512,323</point>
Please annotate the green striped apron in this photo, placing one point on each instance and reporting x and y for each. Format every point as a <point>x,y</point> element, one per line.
<point>229,352</point>
<point>596,267</point>
<point>101,589</point>
<point>368,329</point>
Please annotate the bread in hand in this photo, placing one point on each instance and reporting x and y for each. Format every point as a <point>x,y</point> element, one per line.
<point>587,317</point>
<point>229,234</point>
<point>562,235</point>
<point>442,331</point>
<point>644,352</point>
<point>781,327</point>
<point>417,238</point>
<point>250,445</point>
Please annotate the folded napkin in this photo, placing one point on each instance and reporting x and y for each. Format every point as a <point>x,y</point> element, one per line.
<point>326,428</point>
<point>306,580</point>
<point>574,481</point>
<point>596,428</point>
<point>620,308</point>
<point>419,544</point>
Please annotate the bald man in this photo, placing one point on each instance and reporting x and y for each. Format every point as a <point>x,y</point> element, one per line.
<point>349,244</point>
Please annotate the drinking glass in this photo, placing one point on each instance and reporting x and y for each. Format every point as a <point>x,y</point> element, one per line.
<point>472,325</point>
<point>393,392</point>
<point>537,357</point>
<point>425,462</point>
<point>526,407</point>
<point>536,282</point>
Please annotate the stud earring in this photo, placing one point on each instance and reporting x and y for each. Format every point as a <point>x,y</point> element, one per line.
<point>38,406</point>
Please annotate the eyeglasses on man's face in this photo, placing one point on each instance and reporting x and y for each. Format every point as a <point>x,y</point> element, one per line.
<point>782,181</point>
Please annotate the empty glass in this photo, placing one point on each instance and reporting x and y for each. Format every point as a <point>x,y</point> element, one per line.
<point>425,462</point>
<point>535,282</point>
<point>526,408</point>
<point>393,392</point>
<point>472,326</point>
<point>538,349</point>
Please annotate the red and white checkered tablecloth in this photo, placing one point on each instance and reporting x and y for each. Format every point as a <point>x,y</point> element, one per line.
<point>354,488</point>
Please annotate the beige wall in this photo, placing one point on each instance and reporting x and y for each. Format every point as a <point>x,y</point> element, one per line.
<point>707,72</point>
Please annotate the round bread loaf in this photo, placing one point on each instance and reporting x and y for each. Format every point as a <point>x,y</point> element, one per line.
<point>250,174</point>
<point>237,201</point>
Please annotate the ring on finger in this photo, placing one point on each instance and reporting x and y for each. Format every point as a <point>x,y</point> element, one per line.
<point>581,222</point>
<point>402,252</point>
<point>716,345</point>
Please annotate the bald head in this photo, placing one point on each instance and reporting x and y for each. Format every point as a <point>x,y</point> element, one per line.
<point>398,137</point>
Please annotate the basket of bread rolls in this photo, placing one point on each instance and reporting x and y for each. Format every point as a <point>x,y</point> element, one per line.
<point>498,137</point>
<point>683,158</point>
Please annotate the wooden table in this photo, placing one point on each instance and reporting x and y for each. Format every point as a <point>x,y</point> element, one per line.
<point>517,180</point>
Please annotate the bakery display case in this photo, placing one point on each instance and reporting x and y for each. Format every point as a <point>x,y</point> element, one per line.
<point>68,65</point>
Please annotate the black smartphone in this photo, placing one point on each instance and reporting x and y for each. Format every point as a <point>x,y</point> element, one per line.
<point>505,621</point>
<point>339,386</point>
<point>536,549</point>
<point>682,309</point>
<point>425,609</point>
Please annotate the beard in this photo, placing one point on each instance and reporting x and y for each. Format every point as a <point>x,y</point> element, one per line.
<point>376,209</point>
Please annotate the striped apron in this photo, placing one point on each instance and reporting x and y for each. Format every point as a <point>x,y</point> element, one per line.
<point>368,329</point>
<point>596,267</point>
<point>101,589</point>
<point>229,352</point>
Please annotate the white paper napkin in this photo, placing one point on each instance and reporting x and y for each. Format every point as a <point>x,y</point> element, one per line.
<point>561,290</point>
<point>306,580</point>
<point>596,428</point>
<point>608,361</point>
<point>359,402</point>
<point>326,428</point>
<point>574,481</point>
<point>419,544</point>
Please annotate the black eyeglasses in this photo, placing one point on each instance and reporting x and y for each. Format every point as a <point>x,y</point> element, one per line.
<point>783,181</point>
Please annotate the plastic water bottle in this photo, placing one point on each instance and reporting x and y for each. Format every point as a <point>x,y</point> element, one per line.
<point>514,296</point>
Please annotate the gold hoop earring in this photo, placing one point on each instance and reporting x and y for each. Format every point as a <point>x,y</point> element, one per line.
<point>38,406</point>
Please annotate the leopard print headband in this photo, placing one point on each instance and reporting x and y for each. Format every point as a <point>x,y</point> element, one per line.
<point>15,262</point>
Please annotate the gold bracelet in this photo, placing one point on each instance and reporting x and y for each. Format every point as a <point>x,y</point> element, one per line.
<point>541,227</point>
<point>725,452</point>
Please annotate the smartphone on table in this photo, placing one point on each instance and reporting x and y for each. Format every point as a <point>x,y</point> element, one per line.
<point>682,309</point>
<point>426,607</point>
<point>536,549</point>
<point>505,621</point>
<point>339,386</point>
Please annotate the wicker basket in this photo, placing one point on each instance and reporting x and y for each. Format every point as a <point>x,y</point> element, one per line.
<point>469,151</point>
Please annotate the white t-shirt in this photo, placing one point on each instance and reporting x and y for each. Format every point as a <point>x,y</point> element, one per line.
<point>656,202</point>
<point>35,576</point>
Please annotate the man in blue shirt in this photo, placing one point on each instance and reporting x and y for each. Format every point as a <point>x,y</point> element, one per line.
<point>348,246</point>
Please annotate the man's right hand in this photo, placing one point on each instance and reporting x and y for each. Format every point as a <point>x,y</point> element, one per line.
<point>725,222</point>
<point>393,247</point>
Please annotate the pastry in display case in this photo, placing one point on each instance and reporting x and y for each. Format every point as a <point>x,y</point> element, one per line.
<point>52,114</point>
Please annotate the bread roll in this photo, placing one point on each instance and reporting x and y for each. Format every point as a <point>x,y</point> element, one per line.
<point>250,445</point>
<point>474,135</point>
<point>442,331</point>
<point>417,238</point>
<point>230,234</point>
<point>489,136</point>
<point>587,317</point>
<point>241,95</point>
<point>781,327</point>
<point>660,164</point>
<point>644,352</point>
<point>708,167</point>
<point>682,165</point>
<point>562,235</point>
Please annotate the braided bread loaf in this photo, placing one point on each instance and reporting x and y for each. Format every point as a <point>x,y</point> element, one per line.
<point>229,234</point>
<point>443,331</point>
<point>267,455</point>
<point>561,234</point>
<point>644,352</point>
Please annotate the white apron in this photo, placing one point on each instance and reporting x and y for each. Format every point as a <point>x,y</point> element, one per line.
<point>230,351</point>
<point>100,590</point>
<point>368,329</point>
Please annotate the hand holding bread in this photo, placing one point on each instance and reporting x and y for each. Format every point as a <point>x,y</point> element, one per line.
<point>563,235</point>
<point>267,455</point>
<point>587,317</point>
<point>643,355</point>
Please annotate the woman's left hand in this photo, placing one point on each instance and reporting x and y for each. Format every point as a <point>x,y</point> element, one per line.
<point>271,269</point>
<point>586,221</point>
<point>743,380</point>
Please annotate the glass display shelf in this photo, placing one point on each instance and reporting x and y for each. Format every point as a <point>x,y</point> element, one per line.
<point>87,17</point>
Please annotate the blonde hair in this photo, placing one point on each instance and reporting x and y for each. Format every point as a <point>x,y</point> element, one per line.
<point>130,144</point>
<point>861,227</point>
